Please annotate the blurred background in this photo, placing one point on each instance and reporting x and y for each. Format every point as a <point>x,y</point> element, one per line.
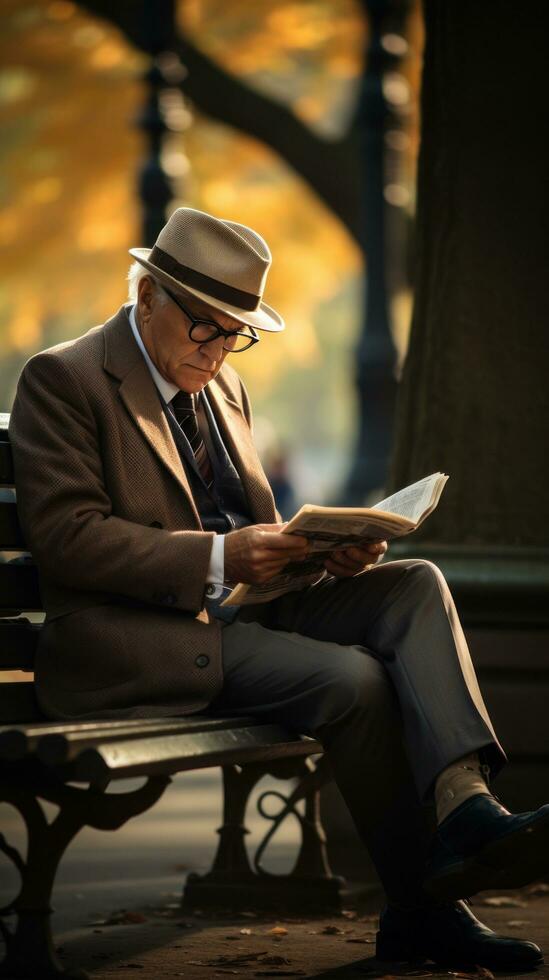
<point>100,135</point>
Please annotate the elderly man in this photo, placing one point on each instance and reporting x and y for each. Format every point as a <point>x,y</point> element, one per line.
<point>142,498</point>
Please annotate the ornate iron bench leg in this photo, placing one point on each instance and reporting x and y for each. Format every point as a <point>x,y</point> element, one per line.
<point>232,882</point>
<point>30,952</point>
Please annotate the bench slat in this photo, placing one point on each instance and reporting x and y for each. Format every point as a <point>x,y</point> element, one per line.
<point>18,702</point>
<point>18,640</point>
<point>56,742</point>
<point>19,587</point>
<point>177,753</point>
<point>11,535</point>
<point>6,462</point>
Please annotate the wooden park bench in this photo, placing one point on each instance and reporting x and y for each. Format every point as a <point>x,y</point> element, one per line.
<point>72,764</point>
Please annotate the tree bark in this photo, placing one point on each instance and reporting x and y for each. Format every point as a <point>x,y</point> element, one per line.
<point>474,398</point>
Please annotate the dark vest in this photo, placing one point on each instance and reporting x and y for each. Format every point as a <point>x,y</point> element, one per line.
<point>224,506</point>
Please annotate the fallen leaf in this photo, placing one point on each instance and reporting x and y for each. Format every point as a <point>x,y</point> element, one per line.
<point>332,931</point>
<point>360,940</point>
<point>277,931</point>
<point>124,917</point>
<point>540,888</point>
<point>136,918</point>
<point>280,973</point>
<point>503,902</point>
<point>518,923</point>
<point>235,960</point>
<point>480,972</point>
<point>245,932</point>
<point>275,961</point>
<point>349,913</point>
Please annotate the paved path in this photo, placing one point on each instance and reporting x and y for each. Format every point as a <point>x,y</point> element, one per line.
<point>162,942</point>
<point>141,869</point>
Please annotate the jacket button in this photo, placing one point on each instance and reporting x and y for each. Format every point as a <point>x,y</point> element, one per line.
<point>210,590</point>
<point>165,600</point>
<point>202,660</point>
<point>155,524</point>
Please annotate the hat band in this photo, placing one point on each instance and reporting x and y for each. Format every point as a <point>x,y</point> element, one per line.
<point>199,280</point>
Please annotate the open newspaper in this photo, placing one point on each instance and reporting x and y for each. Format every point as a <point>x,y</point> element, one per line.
<point>334,528</point>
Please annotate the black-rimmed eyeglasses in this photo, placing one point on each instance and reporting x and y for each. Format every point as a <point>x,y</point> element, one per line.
<point>203,331</point>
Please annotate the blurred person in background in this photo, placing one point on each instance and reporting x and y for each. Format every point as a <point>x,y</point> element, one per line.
<point>143,500</point>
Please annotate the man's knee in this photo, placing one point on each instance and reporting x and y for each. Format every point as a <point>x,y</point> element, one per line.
<point>357,682</point>
<point>423,574</point>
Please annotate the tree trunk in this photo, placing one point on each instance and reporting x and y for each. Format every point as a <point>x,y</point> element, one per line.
<point>474,399</point>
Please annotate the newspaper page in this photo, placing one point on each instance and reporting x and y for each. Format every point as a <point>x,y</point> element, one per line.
<point>331,529</point>
<point>416,501</point>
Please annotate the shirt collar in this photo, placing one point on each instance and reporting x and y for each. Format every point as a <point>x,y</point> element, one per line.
<point>166,388</point>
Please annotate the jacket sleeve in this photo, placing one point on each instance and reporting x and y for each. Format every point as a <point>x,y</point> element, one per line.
<point>65,510</point>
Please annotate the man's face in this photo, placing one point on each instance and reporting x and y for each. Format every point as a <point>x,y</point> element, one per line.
<point>164,328</point>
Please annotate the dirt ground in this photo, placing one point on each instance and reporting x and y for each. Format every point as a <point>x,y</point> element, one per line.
<point>165,942</point>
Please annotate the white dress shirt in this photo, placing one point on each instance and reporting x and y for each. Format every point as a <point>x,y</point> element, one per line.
<point>168,391</point>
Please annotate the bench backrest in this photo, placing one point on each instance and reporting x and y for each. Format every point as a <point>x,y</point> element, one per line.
<point>19,594</point>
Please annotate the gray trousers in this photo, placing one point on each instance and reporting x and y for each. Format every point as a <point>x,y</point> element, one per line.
<point>377,668</point>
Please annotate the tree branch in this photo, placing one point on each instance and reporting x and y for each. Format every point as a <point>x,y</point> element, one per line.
<point>331,168</point>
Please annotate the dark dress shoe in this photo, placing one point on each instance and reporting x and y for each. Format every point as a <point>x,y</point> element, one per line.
<point>481,845</point>
<point>451,936</point>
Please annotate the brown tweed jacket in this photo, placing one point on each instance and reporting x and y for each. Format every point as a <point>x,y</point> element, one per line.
<point>108,514</point>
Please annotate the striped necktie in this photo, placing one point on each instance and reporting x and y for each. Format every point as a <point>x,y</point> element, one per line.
<point>185,412</point>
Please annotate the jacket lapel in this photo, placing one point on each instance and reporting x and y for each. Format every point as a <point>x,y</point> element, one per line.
<point>124,361</point>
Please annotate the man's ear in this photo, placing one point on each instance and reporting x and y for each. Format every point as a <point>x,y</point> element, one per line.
<point>146,292</point>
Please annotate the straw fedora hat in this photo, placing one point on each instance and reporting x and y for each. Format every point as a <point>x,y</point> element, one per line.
<point>221,262</point>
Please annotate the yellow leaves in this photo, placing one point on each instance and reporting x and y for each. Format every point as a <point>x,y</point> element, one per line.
<point>61,10</point>
<point>69,91</point>
<point>16,84</point>
<point>298,25</point>
<point>24,327</point>
<point>309,108</point>
<point>310,50</point>
<point>109,54</point>
<point>43,191</point>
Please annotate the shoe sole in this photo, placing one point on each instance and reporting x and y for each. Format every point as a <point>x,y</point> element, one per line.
<point>510,862</point>
<point>392,949</point>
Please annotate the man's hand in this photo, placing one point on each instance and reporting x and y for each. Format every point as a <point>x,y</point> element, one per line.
<point>257,553</point>
<point>352,561</point>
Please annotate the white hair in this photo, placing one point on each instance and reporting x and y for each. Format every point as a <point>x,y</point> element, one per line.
<point>136,272</point>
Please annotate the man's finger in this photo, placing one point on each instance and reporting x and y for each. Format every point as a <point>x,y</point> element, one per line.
<point>285,542</point>
<point>338,569</point>
<point>363,555</point>
<point>351,557</point>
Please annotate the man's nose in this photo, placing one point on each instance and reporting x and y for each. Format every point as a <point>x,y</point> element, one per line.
<point>214,348</point>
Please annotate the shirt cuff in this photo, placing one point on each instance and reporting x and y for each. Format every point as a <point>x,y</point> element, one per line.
<point>216,570</point>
